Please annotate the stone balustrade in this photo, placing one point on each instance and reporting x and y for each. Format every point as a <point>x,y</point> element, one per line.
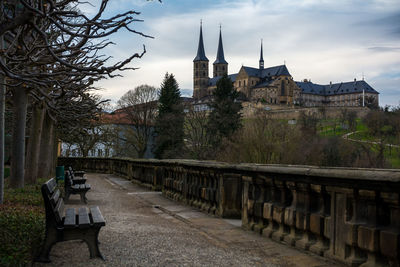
<point>350,215</point>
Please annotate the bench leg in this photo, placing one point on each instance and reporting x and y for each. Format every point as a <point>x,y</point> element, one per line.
<point>93,243</point>
<point>67,194</point>
<point>83,197</point>
<point>50,240</point>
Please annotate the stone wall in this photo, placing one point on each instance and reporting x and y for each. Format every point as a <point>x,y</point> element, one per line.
<point>288,113</point>
<point>351,215</point>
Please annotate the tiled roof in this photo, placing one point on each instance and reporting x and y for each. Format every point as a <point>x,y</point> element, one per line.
<point>268,72</point>
<point>213,81</point>
<point>336,88</point>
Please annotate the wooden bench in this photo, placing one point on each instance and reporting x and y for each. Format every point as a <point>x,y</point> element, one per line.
<point>75,179</point>
<point>72,188</point>
<point>81,225</point>
<point>76,173</point>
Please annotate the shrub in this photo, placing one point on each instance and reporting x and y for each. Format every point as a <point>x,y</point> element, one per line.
<point>22,225</point>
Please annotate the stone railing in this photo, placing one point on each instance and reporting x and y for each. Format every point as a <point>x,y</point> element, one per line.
<point>206,185</point>
<point>351,215</point>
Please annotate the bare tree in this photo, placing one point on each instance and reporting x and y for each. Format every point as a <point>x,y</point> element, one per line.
<point>140,109</point>
<point>197,141</point>
<point>52,47</point>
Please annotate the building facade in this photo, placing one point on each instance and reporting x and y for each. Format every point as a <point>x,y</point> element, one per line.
<point>275,85</point>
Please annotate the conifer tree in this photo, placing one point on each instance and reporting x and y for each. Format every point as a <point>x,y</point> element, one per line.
<point>169,122</point>
<point>225,115</point>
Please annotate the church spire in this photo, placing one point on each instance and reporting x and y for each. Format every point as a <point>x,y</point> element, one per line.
<point>201,55</point>
<point>261,56</point>
<point>220,65</point>
<point>220,53</point>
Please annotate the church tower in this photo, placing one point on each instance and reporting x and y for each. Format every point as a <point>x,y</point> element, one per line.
<point>200,70</point>
<point>261,62</point>
<point>220,65</point>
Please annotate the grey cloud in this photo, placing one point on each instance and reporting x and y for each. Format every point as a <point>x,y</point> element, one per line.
<point>384,49</point>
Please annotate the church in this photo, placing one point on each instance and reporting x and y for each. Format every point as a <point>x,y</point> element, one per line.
<point>274,85</point>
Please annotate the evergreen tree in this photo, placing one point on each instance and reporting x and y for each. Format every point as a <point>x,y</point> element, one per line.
<point>225,115</point>
<point>169,122</point>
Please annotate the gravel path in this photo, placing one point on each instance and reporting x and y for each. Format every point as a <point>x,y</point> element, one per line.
<point>145,229</point>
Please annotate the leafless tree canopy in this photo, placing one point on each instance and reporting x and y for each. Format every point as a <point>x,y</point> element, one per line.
<point>53,51</point>
<point>52,44</point>
<point>139,107</point>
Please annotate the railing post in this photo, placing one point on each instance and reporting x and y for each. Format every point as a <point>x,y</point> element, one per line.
<point>317,219</point>
<point>390,234</point>
<point>230,189</point>
<point>290,216</point>
<point>246,180</point>
<point>303,216</point>
<point>278,213</point>
<point>269,208</point>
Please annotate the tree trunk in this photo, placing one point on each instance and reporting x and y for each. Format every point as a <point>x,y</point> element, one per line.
<point>20,99</point>
<point>46,147</point>
<point>2,131</point>
<point>52,170</point>
<point>33,149</point>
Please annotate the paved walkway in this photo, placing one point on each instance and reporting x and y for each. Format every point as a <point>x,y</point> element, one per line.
<point>145,229</point>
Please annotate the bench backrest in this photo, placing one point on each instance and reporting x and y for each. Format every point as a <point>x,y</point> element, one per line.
<point>54,204</point>
<point>71,170</point>
<point>68,179</point>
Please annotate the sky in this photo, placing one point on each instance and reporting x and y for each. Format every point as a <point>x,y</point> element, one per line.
<point>321,40</point>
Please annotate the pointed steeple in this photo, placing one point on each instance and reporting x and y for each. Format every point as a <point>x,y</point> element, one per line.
<point>220,53</point>
<point>201,55</point>
<point>261,65</point>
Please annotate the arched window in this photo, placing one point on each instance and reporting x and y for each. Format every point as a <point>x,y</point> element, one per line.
<point>239,83</point>
<point>204,74</point>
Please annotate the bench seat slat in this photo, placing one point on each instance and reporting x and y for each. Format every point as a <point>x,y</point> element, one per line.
<point>84,220</point>
<point>79,180</point>
<point>59,211</point>
<point>70,218</point>
<point>97,217</point>
<point>55,197</point>
<point>50,186</point>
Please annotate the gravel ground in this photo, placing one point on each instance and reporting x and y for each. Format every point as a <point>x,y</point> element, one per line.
<point>145,229</point>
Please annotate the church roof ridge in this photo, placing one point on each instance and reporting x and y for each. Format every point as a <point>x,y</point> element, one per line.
<point>266,72</point>
<point>336,88</point>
